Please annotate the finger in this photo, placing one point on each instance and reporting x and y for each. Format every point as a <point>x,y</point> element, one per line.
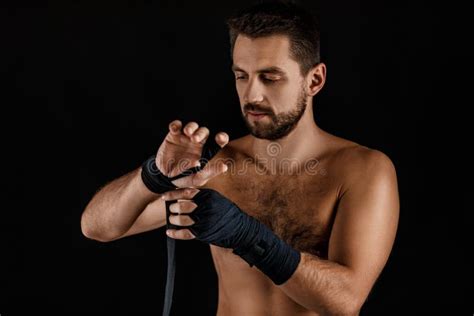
<point>222,139</point>
<point>201,135</point>
<point>190,128</point>
<point>184,193</point>
<point>175,127</point>
<point>211,170</point>
<point>184,234</point>
<point>181,220</point>
<point>183,207</point>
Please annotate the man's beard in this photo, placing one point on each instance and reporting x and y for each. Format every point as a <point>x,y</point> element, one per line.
<point>280,125</point>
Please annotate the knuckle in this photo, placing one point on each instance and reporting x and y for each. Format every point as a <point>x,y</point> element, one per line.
<point>175,207</point>
<point>182,205</point>
<point>189,220</point>
<point>189,206</point>
<point>172,219</point>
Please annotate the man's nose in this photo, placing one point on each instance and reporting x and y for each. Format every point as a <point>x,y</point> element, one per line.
<point>253,92</point>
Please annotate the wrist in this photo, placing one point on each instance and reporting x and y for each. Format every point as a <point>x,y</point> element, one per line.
<point>153,179</point>
<point>270,254</point>
<point>143,190</point>
<point>280,263</point>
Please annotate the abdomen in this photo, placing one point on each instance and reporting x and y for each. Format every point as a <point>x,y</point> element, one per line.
<point>245,290</point>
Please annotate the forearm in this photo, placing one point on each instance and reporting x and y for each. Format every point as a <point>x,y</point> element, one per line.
<point>114,209</point>
<point>323,286</point>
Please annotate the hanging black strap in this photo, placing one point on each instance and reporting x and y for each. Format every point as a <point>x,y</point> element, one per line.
<point>171,245</point>
<point>207,153</point>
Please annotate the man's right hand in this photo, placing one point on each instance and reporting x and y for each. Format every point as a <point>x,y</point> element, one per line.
<point>181,150</point>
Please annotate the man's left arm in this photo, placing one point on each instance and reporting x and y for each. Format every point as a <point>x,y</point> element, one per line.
<point>360,243</point>
<point>361,238</point>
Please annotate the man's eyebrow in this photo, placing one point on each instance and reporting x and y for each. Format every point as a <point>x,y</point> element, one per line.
<point>271,70</point>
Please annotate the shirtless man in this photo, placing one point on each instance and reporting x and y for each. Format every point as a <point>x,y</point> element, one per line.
<point>335,206</point>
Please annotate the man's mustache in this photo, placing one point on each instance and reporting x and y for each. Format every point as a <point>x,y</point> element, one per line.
<point>256,108</point>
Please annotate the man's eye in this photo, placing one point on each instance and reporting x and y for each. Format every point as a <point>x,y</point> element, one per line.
<point>266,79</point>
<point>239,77</point>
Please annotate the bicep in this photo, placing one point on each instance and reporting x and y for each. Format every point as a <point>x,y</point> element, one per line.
<point>366,222</point>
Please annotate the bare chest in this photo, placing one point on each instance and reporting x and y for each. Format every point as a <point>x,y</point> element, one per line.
<point>299,209</point>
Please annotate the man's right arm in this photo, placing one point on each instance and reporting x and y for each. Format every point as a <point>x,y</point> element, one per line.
<point>123,207</point>
<point>126,206</point>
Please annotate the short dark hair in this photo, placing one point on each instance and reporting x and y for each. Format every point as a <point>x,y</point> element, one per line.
<point>280,18</point>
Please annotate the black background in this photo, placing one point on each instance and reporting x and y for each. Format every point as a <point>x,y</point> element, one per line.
<point>89,87</point>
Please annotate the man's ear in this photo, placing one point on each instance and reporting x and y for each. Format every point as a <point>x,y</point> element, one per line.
<point>316,78</point>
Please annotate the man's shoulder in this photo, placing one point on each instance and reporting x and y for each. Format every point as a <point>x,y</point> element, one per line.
<point>352,154</point>
<point>359,164</point>
<point>360,155</point>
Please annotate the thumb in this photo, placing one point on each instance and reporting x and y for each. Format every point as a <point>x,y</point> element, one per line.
<point>222,138</point>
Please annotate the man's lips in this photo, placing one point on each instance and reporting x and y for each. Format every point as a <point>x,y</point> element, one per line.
<point>256,113</point>
<point>256,116</point>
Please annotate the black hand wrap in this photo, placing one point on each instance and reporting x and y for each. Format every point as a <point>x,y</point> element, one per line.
<point>221,222</point>
<point>157,182</point>
<point>153,179</point>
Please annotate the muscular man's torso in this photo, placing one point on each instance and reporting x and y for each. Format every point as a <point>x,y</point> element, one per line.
<point>298,205</point>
